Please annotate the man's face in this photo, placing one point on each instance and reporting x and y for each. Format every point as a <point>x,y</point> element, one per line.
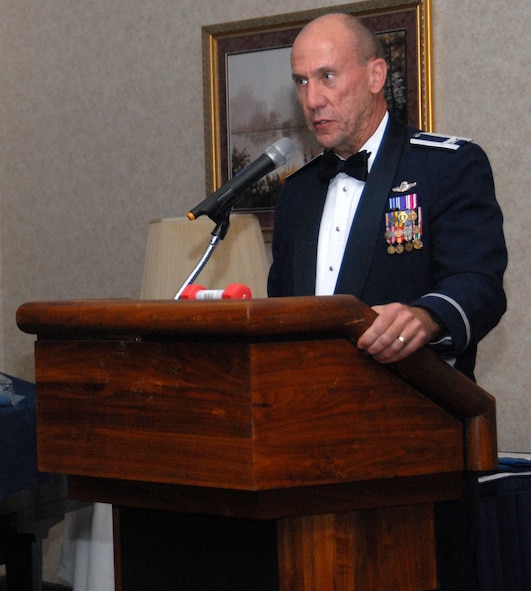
<point>336,93</point>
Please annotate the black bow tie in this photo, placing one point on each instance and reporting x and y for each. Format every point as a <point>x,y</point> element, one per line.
<point>355,166</point>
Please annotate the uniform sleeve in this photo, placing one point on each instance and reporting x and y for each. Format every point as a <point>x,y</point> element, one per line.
<point>468,245</point>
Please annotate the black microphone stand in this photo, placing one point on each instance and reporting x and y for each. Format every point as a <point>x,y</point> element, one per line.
<point>222,220</point>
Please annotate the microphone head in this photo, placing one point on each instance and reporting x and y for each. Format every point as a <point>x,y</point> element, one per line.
<point>281,151</point>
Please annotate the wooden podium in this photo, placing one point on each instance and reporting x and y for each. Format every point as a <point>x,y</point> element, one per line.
<point>255,412</point>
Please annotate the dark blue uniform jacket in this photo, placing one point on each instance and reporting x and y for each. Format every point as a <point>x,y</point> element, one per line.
<point>458,271</point>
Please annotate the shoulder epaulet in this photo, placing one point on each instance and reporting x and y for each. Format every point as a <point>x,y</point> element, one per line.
<point>305,166</point>
<point>439,140</point>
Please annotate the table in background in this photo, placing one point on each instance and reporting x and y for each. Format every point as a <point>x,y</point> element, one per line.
<point>484,541</point>
<point>31,502</point>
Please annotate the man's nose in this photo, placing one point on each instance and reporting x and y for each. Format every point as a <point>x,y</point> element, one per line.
<point>314,98</point>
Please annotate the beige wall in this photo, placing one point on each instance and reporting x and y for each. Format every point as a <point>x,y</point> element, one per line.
<point>102,130</point>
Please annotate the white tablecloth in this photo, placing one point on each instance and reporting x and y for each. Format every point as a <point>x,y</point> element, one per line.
<point>87,562</point>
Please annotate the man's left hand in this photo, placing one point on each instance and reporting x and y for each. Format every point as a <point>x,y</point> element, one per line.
<point>397,332</point>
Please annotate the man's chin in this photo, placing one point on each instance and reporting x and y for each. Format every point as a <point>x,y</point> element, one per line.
<point>325,139</point>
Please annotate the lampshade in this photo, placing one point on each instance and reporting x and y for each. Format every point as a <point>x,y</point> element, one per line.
<point>176,245</point>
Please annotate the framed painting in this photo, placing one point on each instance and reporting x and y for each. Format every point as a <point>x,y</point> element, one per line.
<point>250,99</point>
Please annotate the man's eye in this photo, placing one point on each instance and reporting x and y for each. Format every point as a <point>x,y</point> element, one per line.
<point>300,81</point>
<point>328,76</point>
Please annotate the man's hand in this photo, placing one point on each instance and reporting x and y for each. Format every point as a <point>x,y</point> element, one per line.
<point>397,332</point>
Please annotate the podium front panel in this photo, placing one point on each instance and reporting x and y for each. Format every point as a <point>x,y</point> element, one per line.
<point>234,413</point>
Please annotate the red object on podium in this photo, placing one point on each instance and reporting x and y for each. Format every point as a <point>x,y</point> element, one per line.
<point>234,291</point>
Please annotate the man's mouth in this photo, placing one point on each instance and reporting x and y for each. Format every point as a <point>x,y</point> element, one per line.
<point>320,123</point>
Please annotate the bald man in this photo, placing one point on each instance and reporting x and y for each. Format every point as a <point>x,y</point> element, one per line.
<point>406,221</point>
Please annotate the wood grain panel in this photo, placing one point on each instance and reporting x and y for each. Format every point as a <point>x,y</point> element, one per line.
<point>389,548</point>
<point>216,414</point>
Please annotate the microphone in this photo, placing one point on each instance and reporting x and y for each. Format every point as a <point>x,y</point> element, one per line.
<point>222,200</point>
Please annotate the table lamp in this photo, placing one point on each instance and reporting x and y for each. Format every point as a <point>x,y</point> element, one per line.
<point>175,245</point>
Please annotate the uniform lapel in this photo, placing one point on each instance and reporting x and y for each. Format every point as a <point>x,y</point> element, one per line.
<point>306,239</point>
<point>367,227</point>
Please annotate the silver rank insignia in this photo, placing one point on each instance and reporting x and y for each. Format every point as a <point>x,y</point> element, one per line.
<point>439,140</point>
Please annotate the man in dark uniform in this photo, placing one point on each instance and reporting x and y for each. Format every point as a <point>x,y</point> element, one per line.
<point>415,232</point>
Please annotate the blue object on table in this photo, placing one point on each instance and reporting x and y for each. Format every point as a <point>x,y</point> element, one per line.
<point>18,441</point>
<point>8,396</point>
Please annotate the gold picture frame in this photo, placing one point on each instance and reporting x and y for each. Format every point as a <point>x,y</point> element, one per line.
<point>246,74</point>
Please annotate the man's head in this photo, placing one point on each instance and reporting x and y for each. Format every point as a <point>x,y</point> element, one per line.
<point>339,71</point>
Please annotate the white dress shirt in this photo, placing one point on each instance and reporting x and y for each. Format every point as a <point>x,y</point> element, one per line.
<point>342,199</point>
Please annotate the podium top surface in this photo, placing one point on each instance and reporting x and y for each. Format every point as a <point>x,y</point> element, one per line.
<point>267,316</point>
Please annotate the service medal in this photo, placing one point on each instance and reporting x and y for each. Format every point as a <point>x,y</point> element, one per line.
<point>403,224</point>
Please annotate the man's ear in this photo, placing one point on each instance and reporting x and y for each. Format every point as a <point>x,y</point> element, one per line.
<point>378,74</point>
